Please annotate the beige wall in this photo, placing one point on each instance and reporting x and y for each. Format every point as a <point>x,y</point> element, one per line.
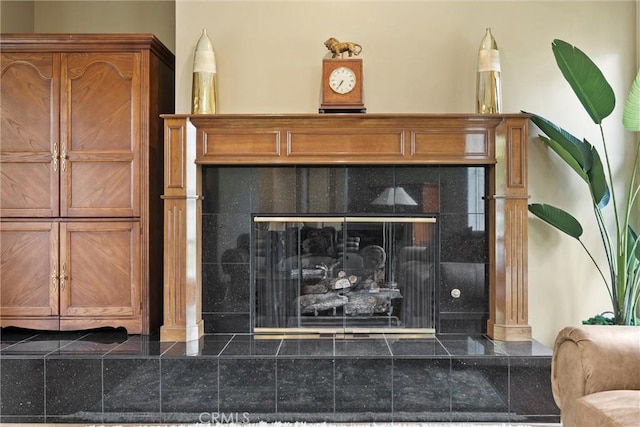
<point>16,16</point>
<point>143,16</point>
<point>420,56</point>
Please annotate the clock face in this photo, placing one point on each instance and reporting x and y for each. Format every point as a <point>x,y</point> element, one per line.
<point>342,80</point>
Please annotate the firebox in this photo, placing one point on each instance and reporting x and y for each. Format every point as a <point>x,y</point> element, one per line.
<point>344,274</point>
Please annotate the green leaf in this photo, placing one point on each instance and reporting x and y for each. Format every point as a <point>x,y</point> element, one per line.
<point>631,114</point>
<point>632,239</point>
<point>598,181</point>
<point>558,218</point>
<point>572,145</point>
<point>586,80</point>
<point>566,156</point>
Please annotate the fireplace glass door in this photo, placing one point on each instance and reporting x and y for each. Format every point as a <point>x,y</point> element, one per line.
<point>344,273</point>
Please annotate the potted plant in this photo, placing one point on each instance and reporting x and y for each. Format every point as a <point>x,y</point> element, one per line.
<point>620,243</point>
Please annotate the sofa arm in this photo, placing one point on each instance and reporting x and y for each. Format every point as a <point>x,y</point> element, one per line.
<point>592,358</point>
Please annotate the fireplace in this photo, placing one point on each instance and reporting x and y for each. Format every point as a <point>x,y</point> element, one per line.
<point>239,184</point>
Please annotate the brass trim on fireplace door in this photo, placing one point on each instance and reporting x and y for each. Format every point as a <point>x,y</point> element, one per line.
<point>345,330</point>
<point>343,219</point>
<point>340,335</point>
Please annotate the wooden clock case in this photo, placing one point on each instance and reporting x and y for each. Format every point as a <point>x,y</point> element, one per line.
<point>350,102</point>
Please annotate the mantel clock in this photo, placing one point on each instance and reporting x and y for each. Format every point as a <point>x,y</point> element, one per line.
<point>342,86</point>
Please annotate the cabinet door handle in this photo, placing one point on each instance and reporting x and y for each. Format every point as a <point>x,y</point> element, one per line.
<point>54,279</point>
<point>54,157</point>
<point>63,276</point>
<point>63,157</point>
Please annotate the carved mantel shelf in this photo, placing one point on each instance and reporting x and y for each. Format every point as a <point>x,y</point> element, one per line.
<point>498,142</point>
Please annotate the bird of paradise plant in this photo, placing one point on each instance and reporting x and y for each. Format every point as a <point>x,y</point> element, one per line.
<point>621,244</point>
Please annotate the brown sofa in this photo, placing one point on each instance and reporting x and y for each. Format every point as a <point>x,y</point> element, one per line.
<point>595,376</point>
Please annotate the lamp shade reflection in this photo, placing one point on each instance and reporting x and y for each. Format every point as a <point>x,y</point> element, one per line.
<point>394,196</point>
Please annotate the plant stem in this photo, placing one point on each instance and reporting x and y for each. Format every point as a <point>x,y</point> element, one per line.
<point>612,189</point>
<point>618,269</point>
<point>633,194</point>
<point>599,271</point>
<point>606,242</point>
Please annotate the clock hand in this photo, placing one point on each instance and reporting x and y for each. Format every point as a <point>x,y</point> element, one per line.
<point>340,84</point>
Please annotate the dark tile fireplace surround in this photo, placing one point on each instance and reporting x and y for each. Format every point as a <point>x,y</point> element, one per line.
<point>459,374</point>
<point>455,195</point>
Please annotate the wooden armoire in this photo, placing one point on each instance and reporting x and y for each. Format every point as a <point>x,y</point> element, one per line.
<point>81,179</point>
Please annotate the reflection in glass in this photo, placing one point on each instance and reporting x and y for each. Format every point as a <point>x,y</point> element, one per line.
<point>344,273</point>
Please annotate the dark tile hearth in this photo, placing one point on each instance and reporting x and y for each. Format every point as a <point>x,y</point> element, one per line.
<point>107,376</point>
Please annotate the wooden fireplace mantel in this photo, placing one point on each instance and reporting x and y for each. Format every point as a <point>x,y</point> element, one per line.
<point>496,141</point>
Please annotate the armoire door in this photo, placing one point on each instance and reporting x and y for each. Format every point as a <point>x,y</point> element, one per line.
<point>29,134</point>
<point>29,274</point>
<point>100,273</point>
<point>100,135</point>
